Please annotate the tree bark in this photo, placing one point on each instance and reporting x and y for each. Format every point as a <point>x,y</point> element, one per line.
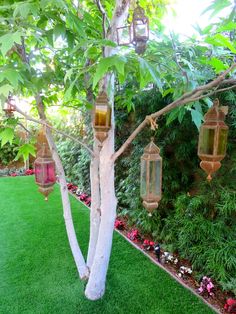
<point>97,279</point>
<point>75,249</point>
<point>95,210</point>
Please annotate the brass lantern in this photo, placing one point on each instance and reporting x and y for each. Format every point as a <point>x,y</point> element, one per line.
<point>140,28</point>
<point>212,140</point>
<point>9,106</point>
<point>44,167</point>
<point>151,176</point>
<point>102,117</point>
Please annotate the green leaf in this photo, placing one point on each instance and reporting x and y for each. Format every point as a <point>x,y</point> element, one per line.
<point>6,135</point>
<point>197,117</point>
<point>105,64</point>
<point>217,64</point>
<point>68,92</point>
<point>26,150</point>
<point>12,75</point>
<point>59,30</point>
<point>172,116</point>
<point>220,40</point>
<point>5,90</point>
<point>24,9</point>
<point>7,41</point>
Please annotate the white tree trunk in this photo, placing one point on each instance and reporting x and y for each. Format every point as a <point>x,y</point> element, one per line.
<point>95,210</point>
<point>75,249</point>
<point>97,279</point>
<point>96,284</point>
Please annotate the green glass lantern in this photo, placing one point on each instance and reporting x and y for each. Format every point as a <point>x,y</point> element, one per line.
<point>151,176</point>
<point>102,117</point>
<point>212,140</point>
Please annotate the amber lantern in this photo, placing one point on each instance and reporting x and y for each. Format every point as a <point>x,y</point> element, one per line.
<point>44,167</point>
<point>212,140</point>
<point>102,117</point>
<point>9,106</point>
<point>140,28</point>
<point>151,176</point>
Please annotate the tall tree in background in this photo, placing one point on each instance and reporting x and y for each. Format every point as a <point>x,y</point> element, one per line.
<point>63,52</point>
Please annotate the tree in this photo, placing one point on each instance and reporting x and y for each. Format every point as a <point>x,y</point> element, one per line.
<point>47,48</point>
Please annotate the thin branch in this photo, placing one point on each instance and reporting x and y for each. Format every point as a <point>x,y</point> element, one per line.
<point>43,122</point>
<point>23,127</point>
<point>104,19</point>
<point>196,94</point>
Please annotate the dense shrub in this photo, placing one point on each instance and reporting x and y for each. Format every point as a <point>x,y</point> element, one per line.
<point>8,153</point>
<point>76,162</point>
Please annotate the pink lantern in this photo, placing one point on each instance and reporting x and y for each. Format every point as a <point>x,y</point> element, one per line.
<point>45,174</point>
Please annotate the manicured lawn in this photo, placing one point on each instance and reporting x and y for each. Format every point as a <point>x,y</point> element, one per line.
<point>38,275</point>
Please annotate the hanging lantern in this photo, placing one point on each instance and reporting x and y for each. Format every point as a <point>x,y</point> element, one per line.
<point>136,33</point>
<point>9,106</point>
<point>124,35</point>
<point>102,117</point>
<point>151,176</point>
<point>140,27</point>
<point>212,140</point>
<point>44,167</point>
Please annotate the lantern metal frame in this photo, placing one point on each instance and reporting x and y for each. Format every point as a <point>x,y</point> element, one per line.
<point>139,41</point>
<point>150,198</point>
<point>210,149</point>
<point>102,117</point>
<point>140,19</point>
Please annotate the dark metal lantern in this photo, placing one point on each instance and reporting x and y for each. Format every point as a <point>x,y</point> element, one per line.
<point>137,33</point>
<point>151,176</point>
<point>102,117</point>
<point>44,165</point>
<point>212,140</point>
<point>140,27</point>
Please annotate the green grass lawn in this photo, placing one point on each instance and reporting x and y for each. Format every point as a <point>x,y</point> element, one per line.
<point>37,271</point>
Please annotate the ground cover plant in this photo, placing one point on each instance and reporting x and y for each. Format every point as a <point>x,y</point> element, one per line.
<point>38,275</point>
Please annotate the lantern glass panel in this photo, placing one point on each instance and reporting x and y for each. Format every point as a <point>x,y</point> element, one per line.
<point>45,173</point>
<point>222,142</point>
<point>102,115</point>
<point>141,31</point>
<point>143,189</point>
<point>123,34</point>
<point>38,172</point>
<point>155,176</point>
<point>207,137</point>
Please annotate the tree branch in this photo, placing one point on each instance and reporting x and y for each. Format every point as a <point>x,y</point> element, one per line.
<point>194,95</point>
<point>43,122</point>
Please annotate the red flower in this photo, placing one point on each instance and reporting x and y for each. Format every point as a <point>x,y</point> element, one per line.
<point>13,174</point>
<point>119,224</point>
<point>230,305</point>
<point>29,172</point>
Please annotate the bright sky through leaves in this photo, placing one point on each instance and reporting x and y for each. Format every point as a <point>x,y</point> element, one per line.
<point>189,13</point>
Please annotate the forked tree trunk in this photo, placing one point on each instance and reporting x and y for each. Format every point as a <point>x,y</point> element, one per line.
<point>96,285</point>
